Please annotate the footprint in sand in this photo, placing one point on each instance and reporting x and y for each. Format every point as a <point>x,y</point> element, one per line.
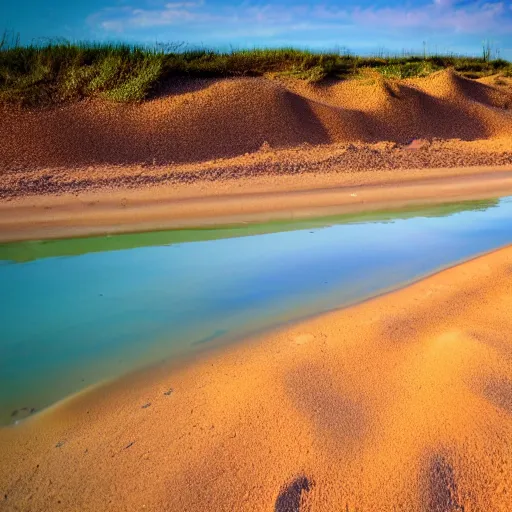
<point>293,496</point>
<point>442,493</point>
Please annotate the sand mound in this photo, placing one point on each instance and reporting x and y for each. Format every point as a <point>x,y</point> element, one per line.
<point>400,403</point>
<point>451,86</point>
<point>444,106</point>
<point>369,95</point>
<point>198,120</point>
<point>223,118</point>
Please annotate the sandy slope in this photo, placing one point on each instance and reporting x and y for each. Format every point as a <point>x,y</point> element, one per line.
<point>198,120</point>
<point>401,403</point>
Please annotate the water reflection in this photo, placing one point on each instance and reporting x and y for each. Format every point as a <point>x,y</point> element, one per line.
<point>69,322</point>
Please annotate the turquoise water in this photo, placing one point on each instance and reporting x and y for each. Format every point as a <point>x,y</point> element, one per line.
<point>73,317</point>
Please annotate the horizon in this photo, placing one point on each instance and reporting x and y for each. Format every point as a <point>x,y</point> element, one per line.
<point>439,27</point>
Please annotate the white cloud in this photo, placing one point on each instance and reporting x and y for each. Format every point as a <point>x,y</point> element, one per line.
<point>441,14</point>
<point>476,17</point>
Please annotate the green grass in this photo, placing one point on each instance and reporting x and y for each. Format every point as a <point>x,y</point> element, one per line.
<point>60,72</point>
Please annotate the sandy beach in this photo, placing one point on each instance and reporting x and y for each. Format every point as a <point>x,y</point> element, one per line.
<point>399,403</point>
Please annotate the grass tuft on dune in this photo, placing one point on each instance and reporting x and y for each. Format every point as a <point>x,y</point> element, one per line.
<point>60,72</point>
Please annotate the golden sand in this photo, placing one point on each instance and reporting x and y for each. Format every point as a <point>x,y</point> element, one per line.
<point>198,120</point>
<point>402,403</point>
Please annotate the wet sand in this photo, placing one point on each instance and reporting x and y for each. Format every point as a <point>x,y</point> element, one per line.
<point>240,200</point>
<point>400,403</point>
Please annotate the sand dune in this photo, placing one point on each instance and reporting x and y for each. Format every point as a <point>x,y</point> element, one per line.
<point>400,403</point>
<point>444,105</point>
<point>197,120</point>
<point>450,85</point>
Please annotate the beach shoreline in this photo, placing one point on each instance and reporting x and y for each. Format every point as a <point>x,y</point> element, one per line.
<point>398,401</point>
<point>241,200</point>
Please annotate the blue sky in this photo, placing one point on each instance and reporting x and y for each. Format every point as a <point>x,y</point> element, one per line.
<point>365,26</point>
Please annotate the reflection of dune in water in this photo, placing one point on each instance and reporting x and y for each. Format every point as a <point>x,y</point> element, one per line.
<point>31,250</point>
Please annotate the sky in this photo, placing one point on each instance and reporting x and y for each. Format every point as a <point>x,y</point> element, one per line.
<point>367,26</point>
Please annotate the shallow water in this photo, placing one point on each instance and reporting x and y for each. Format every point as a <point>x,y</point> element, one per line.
<point>76,312</point>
